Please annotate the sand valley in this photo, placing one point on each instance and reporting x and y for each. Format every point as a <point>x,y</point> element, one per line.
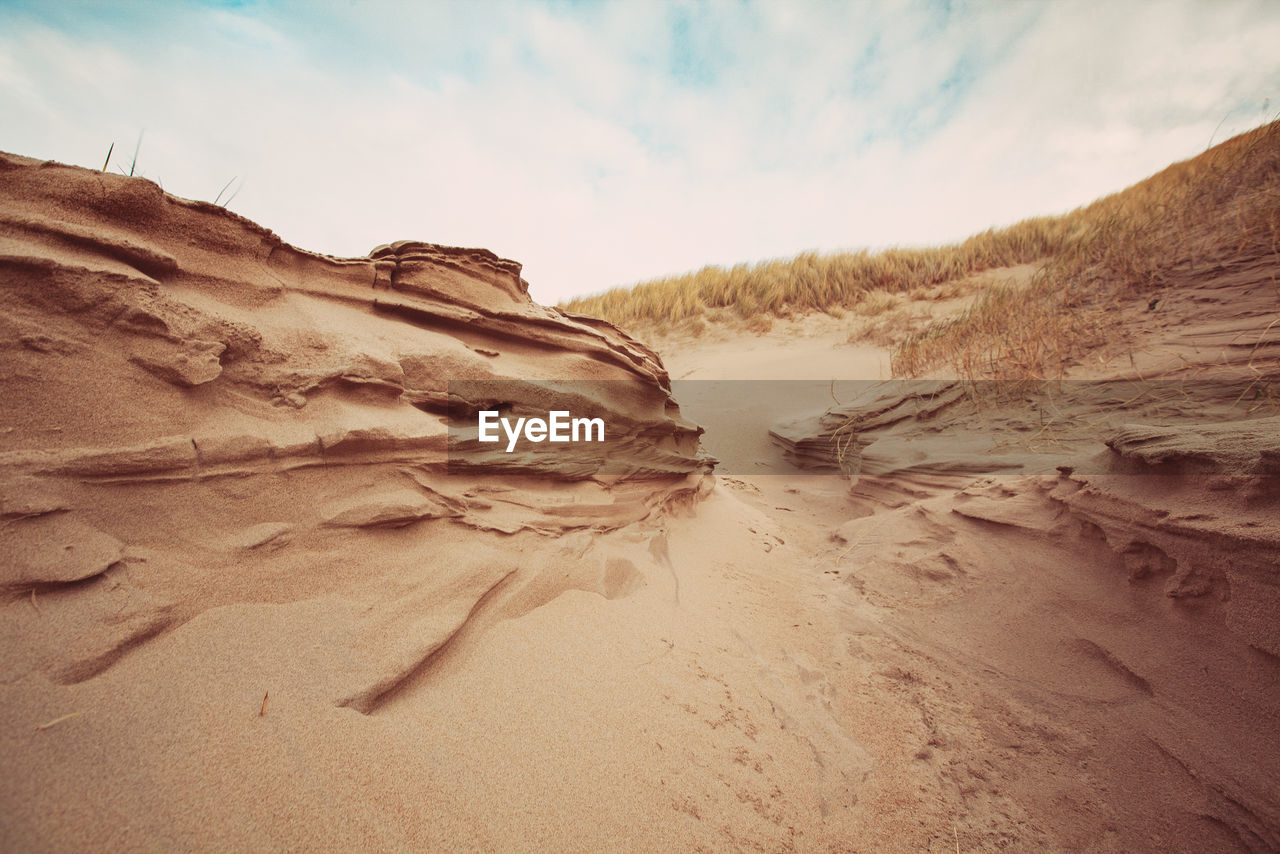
<point>255,599</point>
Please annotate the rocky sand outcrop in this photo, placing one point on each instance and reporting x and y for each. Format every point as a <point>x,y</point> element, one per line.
<point>198,414</point>
<point>1105,551</point>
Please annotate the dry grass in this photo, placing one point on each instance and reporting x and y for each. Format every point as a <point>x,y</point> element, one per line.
<point>813,282</point>
<point>1222,204</point>
<point>877,302</point>
<point>1195,213</point>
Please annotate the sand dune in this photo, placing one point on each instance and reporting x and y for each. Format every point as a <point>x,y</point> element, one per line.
<point>259,597</point>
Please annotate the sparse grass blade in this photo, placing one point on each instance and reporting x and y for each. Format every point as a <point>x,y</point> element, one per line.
<point>134,163</point>
<point>225,187</point>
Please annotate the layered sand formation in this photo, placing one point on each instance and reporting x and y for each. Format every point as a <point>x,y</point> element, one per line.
<point>1057,601</point>
<point>1098,557</point>
<point>223,458</point>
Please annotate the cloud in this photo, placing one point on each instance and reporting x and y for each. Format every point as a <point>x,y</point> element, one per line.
<point>601,144</point>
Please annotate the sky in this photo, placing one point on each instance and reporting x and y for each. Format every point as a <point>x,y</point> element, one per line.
<point>601,144</point>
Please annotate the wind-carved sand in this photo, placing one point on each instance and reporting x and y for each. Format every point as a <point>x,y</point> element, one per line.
<point>1054,615</point>
<point>1070,590</point>
<point>251,606</point>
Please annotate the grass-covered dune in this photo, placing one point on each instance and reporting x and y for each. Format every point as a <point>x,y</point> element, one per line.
<point>1222,203</point>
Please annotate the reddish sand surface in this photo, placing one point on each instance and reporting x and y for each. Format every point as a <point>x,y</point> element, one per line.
<point>249,605</point>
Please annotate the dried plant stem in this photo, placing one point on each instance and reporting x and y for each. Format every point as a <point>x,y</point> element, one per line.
<point>57,721</point>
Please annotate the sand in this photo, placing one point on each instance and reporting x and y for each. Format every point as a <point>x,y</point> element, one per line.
<point>250,606</point>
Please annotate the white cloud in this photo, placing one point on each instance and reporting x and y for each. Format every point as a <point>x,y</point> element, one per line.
<point>604,144</point>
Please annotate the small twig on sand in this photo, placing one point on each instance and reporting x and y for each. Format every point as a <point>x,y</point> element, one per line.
<point>33,602</point>
<point>56,721</point>
<point>262,713</point>
<point>956,834</point>
<point>845,553</point>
